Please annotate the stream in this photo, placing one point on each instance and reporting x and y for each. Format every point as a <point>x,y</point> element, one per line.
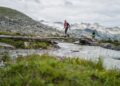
<point>111,58</point>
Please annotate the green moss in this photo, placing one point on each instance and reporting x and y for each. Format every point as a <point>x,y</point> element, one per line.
<point>45,70</point>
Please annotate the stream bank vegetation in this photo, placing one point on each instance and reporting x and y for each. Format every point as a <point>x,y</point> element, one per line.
<point>27,44</point>
<point>10,33</point>
<point>45,70</point>
<point>114,42</point>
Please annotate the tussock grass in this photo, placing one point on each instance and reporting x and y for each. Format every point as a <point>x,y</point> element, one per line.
<point>46,70</point>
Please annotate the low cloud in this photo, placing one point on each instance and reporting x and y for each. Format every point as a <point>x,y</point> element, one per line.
<point>105,12</point>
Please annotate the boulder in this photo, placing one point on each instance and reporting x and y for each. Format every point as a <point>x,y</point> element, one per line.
<point>87,41</point>
<point>26,44</point>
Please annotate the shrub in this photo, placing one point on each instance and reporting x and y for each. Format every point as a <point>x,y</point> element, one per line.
<point>6,57</point>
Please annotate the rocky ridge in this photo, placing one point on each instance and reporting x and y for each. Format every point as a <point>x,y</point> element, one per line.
<point>16,22</point>
<point>85,29</point>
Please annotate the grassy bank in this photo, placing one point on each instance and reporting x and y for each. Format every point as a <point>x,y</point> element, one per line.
<point>45,70</point>
<point>114,42</point>
<point>15,34</point>
<point>21,44</point>
<point>9,33</point>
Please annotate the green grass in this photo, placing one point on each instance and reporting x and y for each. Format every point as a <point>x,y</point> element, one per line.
<point>114,42</point>
<point>5,57</point>
<point>46,70</point>
<point>4,33</point>
<point>17,44</point>
<point>20,44</point>
<point>43,45</point>
<point>10,33</point>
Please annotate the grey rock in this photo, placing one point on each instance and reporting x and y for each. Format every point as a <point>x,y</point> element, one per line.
<point>87,41</point>
<point>6,46</point>
<point>22,24</point>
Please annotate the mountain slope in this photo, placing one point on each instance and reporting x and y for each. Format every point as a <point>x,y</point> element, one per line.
<point>17,22</point>
<point>102,32</point>
<point>11,13</point>
<point>86,29</point>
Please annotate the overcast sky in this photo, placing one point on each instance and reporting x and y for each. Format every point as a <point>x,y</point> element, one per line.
<point>105,12</point>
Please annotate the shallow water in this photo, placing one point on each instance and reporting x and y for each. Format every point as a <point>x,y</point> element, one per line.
<point>91,53</point>
<point>73,50</point>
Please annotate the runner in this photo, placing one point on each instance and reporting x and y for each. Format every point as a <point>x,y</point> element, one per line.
<point>66,27</point>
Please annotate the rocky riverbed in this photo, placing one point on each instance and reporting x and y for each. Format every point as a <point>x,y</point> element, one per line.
<point>15,23</point>
<point>110,57</point>
<point>109,44</point>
